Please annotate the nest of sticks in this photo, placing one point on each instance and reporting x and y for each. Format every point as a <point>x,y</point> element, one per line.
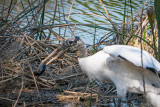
<point>21,52</point>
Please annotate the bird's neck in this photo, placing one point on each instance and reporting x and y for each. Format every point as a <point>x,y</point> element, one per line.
<point>82,51</point>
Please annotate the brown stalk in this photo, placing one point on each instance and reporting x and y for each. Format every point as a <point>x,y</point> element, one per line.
<point>61,39</point>
<point>31,44</point>
<point>17,14</point>
<point>106,11</point>
<point>22,85</point>
<point>56,57</point>
<point>35,82</point>
<point>7,99</point>
<point>70,10</point>
<point>36,42</point>
<point>50,55</point>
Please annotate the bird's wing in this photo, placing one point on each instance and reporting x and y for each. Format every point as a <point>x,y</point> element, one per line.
<point>133,55</point>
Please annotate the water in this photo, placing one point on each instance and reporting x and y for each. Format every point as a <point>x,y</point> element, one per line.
<point>115,9</point>
<point>82,12</point>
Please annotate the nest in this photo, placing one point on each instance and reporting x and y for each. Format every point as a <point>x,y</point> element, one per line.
<point>22,49</point>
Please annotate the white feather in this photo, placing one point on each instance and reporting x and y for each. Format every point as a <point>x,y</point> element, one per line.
<point>153,98</point>
<point>127,75</point>
<point>133,55</point>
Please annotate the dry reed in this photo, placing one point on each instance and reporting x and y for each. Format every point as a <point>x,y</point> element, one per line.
<point>24,46</point>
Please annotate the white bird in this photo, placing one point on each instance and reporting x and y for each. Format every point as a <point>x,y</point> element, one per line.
<point>125,66</point>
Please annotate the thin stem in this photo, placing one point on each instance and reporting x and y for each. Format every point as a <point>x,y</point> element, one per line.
<point>90,103</point>
<point>131,15</point>
<point>124,18</point>
<point>94,39</point>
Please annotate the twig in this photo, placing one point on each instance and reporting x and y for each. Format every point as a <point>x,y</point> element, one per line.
<point>35,81</point>
<point>70,10</point>
<point>19,93</point>
<point>106,11</point>
<point>141,21</point>
<point>9,79</point>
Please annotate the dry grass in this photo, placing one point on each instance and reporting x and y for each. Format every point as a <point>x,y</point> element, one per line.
<point>22,49</point>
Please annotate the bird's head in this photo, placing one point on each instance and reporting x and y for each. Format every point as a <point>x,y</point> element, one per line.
<point>72,44</point>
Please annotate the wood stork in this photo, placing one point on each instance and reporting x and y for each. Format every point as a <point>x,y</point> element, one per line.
<point>126,66</point>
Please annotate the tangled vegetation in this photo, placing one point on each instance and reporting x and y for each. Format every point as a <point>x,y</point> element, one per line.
<point>26,39</point>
